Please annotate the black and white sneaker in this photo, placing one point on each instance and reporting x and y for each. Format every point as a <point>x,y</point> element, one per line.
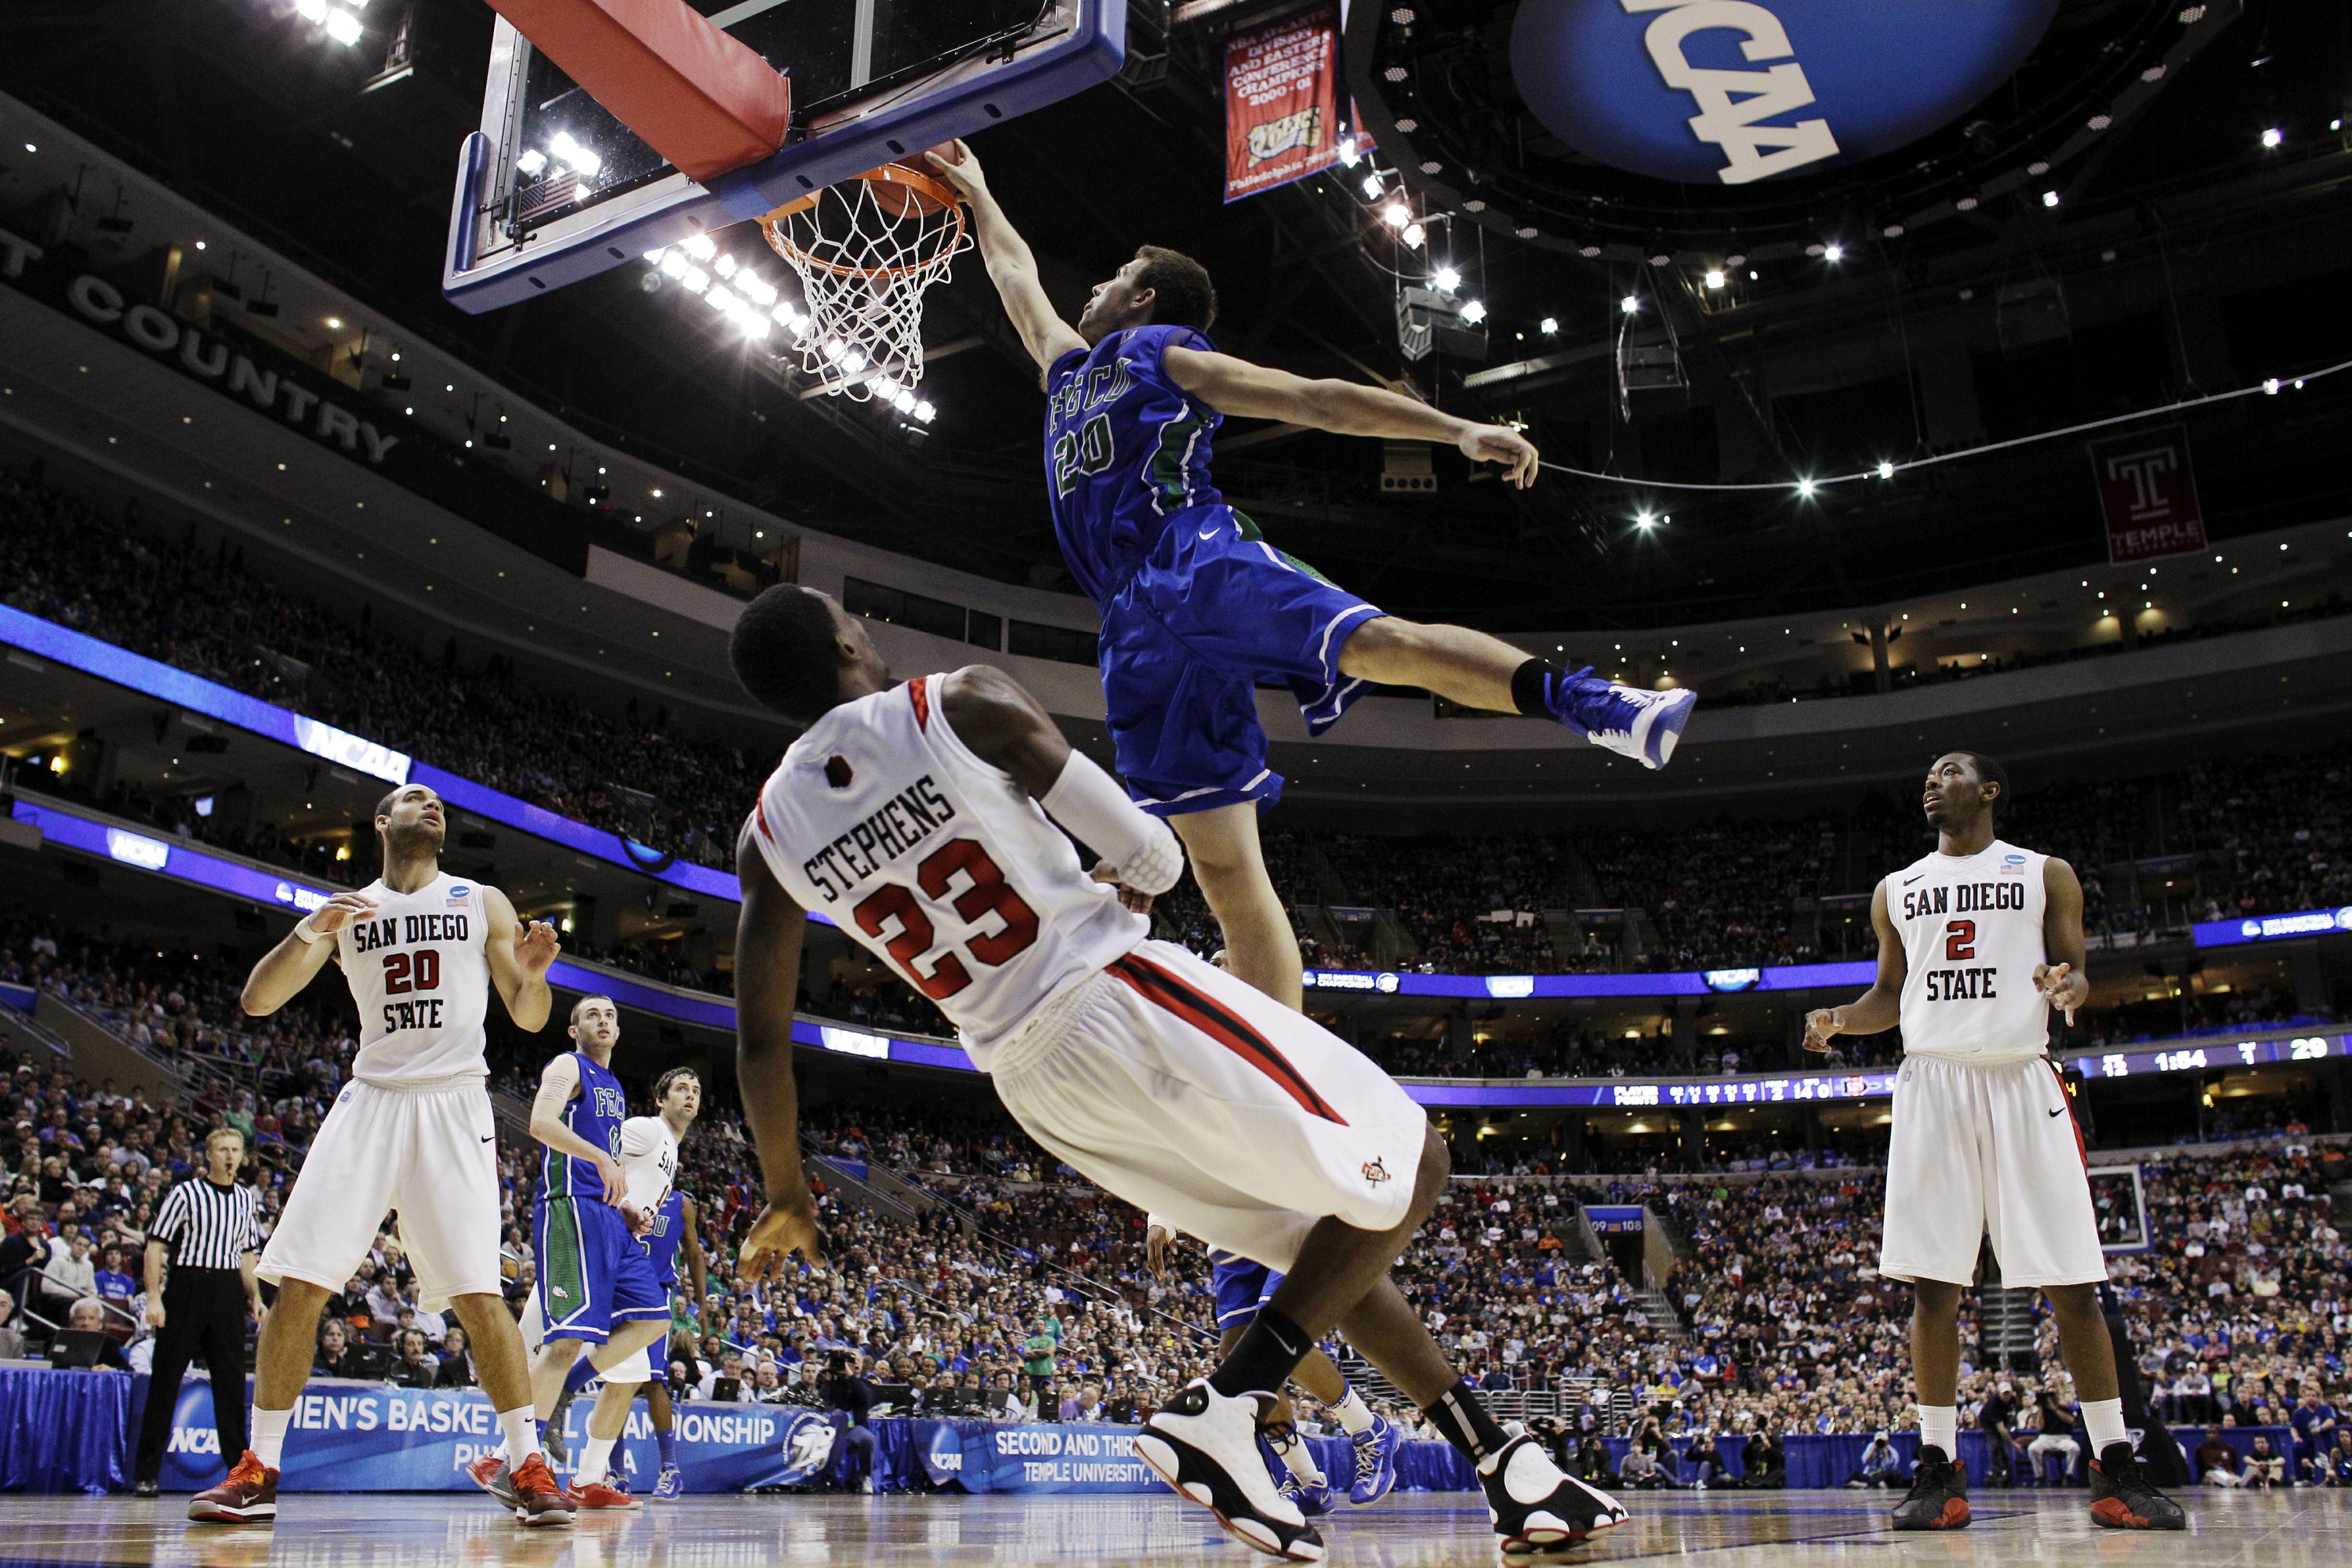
<point>1204,1445</point>
<point>1537,1508</point>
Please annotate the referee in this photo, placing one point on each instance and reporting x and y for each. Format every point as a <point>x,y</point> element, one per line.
<point>207,1231</point>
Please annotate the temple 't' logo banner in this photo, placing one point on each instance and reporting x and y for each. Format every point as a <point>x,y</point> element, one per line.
<point>1282,104</point>
<point>2148,491</point>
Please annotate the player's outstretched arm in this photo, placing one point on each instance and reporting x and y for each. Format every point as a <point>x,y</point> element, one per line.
<point>2065,976</point>
<point>285,969</point>
<point>1878,1009</point>
<point>994,716</point>
<point>768,935</point>
<point>1012,266</point>
<point>518,956</point>
<point>558,1085</point>
<point>1246,391</point>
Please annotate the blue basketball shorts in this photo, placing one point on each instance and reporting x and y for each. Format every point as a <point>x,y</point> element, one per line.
<point>1215,610</point>
<point>593,1273</point>
<point>1242,1286</point>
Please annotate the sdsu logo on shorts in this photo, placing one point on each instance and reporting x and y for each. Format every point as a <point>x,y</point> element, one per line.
<point>1375,1172</point>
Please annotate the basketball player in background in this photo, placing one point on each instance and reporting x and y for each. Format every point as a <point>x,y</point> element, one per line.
<point>1976,942</point>
<point>923,818</point>
<point>421,952</point>
<point>1197,607</point>
<point>595,1289</point>
<point>650,1155</point>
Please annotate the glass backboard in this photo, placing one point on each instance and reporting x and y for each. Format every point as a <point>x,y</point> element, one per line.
<point>553,188</point>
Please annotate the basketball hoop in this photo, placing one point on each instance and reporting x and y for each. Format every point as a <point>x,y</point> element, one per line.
<point>866,249</point>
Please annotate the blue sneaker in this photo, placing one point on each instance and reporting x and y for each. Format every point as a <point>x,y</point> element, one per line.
<point>1313,1499</point>
<point>669,1486</point>
<point>1644,725</point>
<point>1376,1451</point>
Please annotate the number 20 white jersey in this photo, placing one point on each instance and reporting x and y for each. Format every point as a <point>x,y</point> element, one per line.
<point>1971,927</point>
<point>880,818</point>
<point>419,973</point>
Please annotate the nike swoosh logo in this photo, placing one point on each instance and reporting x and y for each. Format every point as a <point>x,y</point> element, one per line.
<point>1922,875</point>
<point>491,1139</point>
<point>2060,1112</point>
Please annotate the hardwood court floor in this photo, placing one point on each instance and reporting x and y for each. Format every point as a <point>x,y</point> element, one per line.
<point>1800,1530</point>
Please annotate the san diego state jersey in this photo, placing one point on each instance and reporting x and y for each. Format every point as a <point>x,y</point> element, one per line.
<point>418,971</point>
<point>880,818</point>
<point>1971,928</point>
<point>1126,450</point>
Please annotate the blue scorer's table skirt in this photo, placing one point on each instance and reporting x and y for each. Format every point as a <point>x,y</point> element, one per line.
<point>74,1431</point>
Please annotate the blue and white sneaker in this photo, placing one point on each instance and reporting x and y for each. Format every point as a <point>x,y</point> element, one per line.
<point>669,1486</point>
<point>1376,1452</point>
<point>1644,725</point>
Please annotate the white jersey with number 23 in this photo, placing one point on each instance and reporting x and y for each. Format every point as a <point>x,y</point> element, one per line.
<point>880,818</point>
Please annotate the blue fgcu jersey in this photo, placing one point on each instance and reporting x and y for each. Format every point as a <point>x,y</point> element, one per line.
<point>668,1229</point>
<point>1126,450</point>
<point>596,1114</point>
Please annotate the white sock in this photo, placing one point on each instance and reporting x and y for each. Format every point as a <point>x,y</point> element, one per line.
<point>1353,1413</point>
<point>2103,1420</point>
<point>520,1425</point>
<point>270,1435</point>
<point>1939,1428</point>
<point>1292,1450</point>
<point>596,1461</point>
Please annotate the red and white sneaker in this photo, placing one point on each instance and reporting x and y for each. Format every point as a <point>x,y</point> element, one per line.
<point>249,1496</point>
<point>607,1495</point>
<point>489,1472</point>
<point>540,1498</point>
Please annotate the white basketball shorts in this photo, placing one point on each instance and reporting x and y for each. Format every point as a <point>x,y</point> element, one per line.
<point>431,1153</point>
<point>1981,1150</point>
<point>1192,1096</point>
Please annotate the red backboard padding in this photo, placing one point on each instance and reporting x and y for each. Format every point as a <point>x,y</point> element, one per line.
<point>700,98</point>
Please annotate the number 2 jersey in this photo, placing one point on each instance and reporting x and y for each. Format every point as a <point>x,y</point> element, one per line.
<point>419,972</point>
<point>1971,928</point>
<point>881,819</point>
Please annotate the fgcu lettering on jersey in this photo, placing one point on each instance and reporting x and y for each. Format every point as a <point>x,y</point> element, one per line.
<point>905,820</point>
<point>595,1114</point>
<point>1733,91</point>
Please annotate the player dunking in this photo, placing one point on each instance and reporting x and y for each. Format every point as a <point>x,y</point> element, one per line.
<point>1197,607</point>
<point>595,1289</point>
<point>922,819</point>
<point>1976,944</point>
<point>421,951</point>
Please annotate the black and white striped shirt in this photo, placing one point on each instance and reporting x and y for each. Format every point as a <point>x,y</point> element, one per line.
<point>208,1226</point>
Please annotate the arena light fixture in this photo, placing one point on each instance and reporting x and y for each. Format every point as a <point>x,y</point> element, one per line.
<point>1396,215</point>
<point>693,281</point>
<point>700,246</point>
<point>904,401</point>
<point>1645,520</point>
<point>1833,251</point>
<point>1474,311</point>
<point>724,265</point>
<point>1886,471</point>
<point>1446,279</point>
<point>311,10</point>
<point>1549,326</point>
<point>1372,188</point>
<point>530,162</point>
<point>1629,304</point>
<point>1349,156</point>
<point>1714,276</point>
<point>573,154</point>
<point>343,28</point>
<point>720,298</point>
<point>1805,488</point>
<point>1412,236</point>
<point>2049,198</point>
<point>2273,137</point>
<point>924,412</point>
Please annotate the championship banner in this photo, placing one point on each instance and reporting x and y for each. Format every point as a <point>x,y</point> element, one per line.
<point>1038,1457</point>
<point>1282,102</point>
<point>351,1437</point>
<point>2148,492</point>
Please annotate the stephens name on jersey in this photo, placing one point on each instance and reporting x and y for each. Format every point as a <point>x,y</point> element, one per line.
<point>1972,935</point>
<point>901,822</point>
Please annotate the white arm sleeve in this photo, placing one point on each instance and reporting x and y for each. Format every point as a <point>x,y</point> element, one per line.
<point>1140,847</point>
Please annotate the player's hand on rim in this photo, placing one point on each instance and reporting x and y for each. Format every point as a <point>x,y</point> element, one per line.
<point>1822,1026</point>
<point>2066,989</point>
<point>962,172</point>
<point>1501,444</point>
<point>783,1228</point>
<point>535,947</point>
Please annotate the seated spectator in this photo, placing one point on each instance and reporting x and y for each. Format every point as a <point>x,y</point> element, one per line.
<point>2339,1460</point>
<point>68,1275</point>
<point>417,1366</point>
<point>336,1358</point>
<point>1706,1461</point>
<point>89,1316</point>
<point>1881,1465</point>
<point>1641,1470</point>
<point>457,1366</point>
<point>1767,1467</point>
<point>2266,1466</point>
<point>1593,1460</point>
<point>12,1338</point>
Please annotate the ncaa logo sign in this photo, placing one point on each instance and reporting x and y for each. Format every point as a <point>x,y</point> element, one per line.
<point>1734,91</point>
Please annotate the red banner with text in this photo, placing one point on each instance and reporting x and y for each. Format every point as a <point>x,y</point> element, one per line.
<point>2148,491</point>
<point>1282,102</point>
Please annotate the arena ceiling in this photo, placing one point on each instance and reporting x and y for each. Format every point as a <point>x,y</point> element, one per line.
<point>2188,253</point>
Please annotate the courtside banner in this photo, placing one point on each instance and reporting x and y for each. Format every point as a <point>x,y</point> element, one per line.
<point>368,1437</point>
<point>1282,102</point>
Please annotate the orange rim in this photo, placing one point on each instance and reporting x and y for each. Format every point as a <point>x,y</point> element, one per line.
<point>916,181</point>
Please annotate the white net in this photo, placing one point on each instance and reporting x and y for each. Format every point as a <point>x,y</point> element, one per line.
<point>866,249</point>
